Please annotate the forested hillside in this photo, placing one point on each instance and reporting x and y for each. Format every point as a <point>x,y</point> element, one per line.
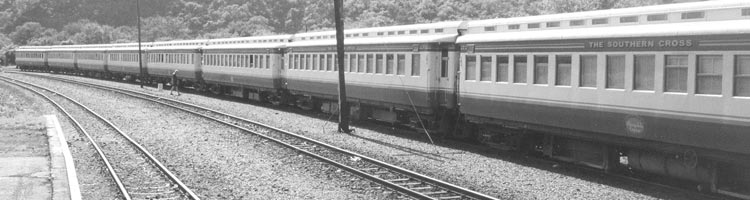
<point>52,22</point>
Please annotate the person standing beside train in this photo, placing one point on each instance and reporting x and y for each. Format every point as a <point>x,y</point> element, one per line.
<point>175,83</point>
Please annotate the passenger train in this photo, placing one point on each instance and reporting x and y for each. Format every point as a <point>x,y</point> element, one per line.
<point>660,89</point>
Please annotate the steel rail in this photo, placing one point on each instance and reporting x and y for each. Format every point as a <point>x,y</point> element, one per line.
<point>78,126</point>
<point>189,193</point>
<point>454,188</point>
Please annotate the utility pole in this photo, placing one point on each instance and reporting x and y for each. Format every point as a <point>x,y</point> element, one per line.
<point>343,106</point>
<point>140,62</point>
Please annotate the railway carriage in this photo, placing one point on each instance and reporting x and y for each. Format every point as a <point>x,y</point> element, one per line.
<point>665,88</point>
<point>165,59</point>
<point>61,59</point>
<point>91,60</point>
<point>391,72</point>
<point>122,62</point>
<point>31,58</point>
<point>249,67</point>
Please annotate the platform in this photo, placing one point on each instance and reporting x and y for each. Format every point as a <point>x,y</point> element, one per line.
<point>37,170</point>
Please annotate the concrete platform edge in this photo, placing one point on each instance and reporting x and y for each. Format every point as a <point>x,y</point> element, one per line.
<point>64,178</point>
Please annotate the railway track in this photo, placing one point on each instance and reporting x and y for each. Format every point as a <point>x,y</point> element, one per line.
<point>393,177</point>
<point>137,173</point>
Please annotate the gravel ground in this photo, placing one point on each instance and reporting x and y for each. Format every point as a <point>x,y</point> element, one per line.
<point>24,109</point>
<point>499,175</point>
<point>215,162</point>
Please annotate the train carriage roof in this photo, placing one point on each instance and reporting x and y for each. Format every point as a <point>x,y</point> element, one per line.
<point>250,40</point>
<point>174,43</point>
<point>176,49</point>
<point>634,11</point>
<point>649,30</point>
<point>416,33</point>
<point>31,48</point>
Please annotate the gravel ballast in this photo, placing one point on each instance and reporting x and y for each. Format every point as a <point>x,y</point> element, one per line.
<point>93,179</point>
<point>499,175</point>
<point>221,163</point>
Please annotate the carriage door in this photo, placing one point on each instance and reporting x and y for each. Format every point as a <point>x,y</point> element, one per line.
<point>446,75</point>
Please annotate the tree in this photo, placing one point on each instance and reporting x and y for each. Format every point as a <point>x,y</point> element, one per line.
<point>27,32</point>
<point>164,28</point>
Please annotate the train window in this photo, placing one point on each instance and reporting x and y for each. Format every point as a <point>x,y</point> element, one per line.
<point>294,61</point>
<point>379,63</point>
<point>391,32</point>
<point>401,64</point>
<point>356,35</point>
<point>424,31</point>
<point>439,30</point>
<point>329,65</point>
<point>389,64</point>
<point>237,61</point>
<point>268,62</point>
<point>471,67</point>
<point>485,68</point>
<point>629,19</point>
<point>240,60</point>
<point>588,70</point>
<point>309,65</point>
<point>533,25</point>
<point>746,12</point>
<point>316,60</point>
<point>380,33</point>
<point>541,69</point>
<point>644,70</point>
<point>361,63</point>
<point>413,32</point>
<point>353,63</point>
<point>335,62</point>
<point>489,28</point>
<point>708,75</point>
<point>370,63</point>
<point>675,73</point>
<point>599,21</point>
<point>323,59</point>
<point>346,62</point>
<point>563,70</point>
<point>553,24</point>
<point>300,61</point>
<point>347,35</point>
<point>363,35</point>
<point>401,32</point>
<point>416,65</point>
<point>502,68</point>
<point>514,27</point>
<point>693,15</point>
<point>615,71</point>
<point>519,69</point>
<point>742,76</point>
<point>577,22</point>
